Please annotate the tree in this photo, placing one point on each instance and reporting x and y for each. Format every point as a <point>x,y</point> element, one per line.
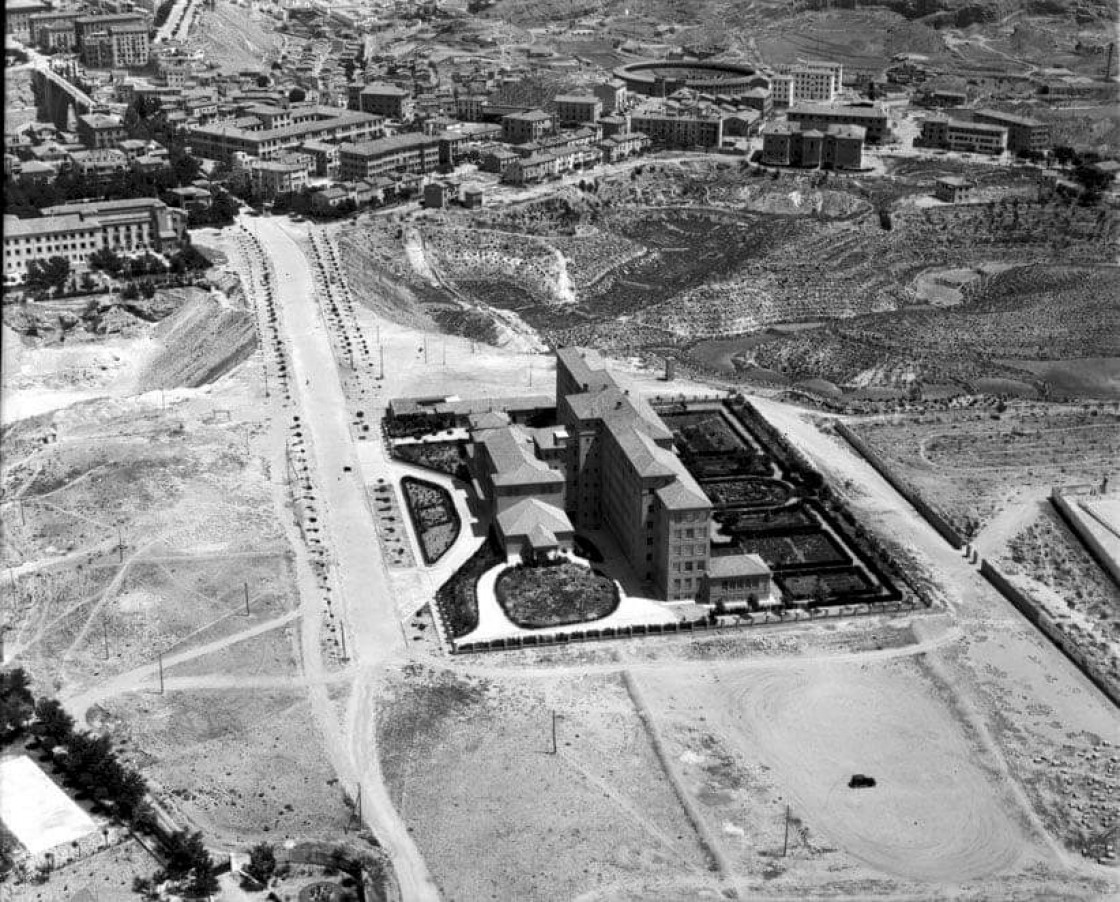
<point>147,289</point>
<point>189,259</point>
<point>188,861</point>
<point>53,724</point>
<point>48,274</point>
<point>262,862</point>
<point>263,81</point>
<point>297,95</point>
<point>17,704</point>
<point>130,292</point>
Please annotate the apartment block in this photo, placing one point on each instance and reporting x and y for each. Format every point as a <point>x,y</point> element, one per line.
<point>386,100</point>
<point>963,136</point>
<point>272,131</point>
<point>872,118</point>
<point>1023,133</point>
<point>98,130</point>
<point>671,126</point>
<point>400,153</point>
<point>576,109</point>
<point>838,147</point>
<point>532,125</point>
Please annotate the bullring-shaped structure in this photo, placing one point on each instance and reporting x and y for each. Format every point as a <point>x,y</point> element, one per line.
<point>660,78</point>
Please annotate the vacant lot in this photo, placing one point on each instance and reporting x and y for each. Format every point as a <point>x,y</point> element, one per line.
<point>497,816</point>
<point>969,464</point>
<point>237,762</point>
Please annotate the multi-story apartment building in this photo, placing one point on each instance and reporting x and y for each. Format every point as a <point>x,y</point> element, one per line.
<point>839,147</point>
<point>75,231</point>
<point>117,47</point>
<point>814,81</point>
<point>1024,135</point>
<point>963,136</point>
<point>672,126</point>
<point>17,17</point>
<point>255,136</point>
<point>400,153</point>
<point>98,130</point>
<point>468,107</point>
<point>271,178</point>
<point>870,117</point>
<point>84,26</point>
<point>613,96</point>
<point>622,475</point>
<point>532,125</point>
<point>386,100</point>
<point>576,109</point>
<point>54,29</point>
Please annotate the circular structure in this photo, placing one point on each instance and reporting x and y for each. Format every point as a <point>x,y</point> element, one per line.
<point>662,77</point>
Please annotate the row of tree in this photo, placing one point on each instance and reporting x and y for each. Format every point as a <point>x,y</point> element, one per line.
<point>87,762</point>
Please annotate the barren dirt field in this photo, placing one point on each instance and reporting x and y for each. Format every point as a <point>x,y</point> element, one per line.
<point>233,37</point>
<point>143,520</point>
<point>971,463</point>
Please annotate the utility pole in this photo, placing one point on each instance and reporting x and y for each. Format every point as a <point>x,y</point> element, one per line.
<point>553,752</point>
<point>246,599</point>
<point>342,633</point>
<point>160,658</point>
<point>381,353</point>
<point>785,844</point>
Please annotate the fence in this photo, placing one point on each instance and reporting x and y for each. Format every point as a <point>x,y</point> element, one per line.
<point>1030,609</point>
<point>864,609</point>
<point>936,520</point>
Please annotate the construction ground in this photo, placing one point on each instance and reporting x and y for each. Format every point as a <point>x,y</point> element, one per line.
<point>194,567</point>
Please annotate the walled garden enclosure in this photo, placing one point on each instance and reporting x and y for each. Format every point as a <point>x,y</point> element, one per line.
<point>771,503</point>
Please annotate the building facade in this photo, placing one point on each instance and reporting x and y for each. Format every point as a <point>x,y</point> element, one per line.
<point>412,153</point>
<point>273,131</point>
<point>963,136</point>
<point>622,475</point>
<point>670,127</point>
<point>1024,135</point>
<point>576,109</point>
<point>872,118</point>
<point>75,231</point>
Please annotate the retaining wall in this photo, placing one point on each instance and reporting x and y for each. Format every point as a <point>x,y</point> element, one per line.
<point>935,519</point>
<point>1074,519</point>
<point>1034,612</point>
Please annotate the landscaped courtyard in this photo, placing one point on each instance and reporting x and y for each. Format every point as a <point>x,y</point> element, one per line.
<point>555,595</point>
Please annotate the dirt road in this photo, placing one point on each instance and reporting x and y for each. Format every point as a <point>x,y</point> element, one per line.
<point>357,571</point>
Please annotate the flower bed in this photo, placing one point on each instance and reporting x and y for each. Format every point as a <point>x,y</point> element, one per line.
<point>443,457</point>
<point>433,517</point>
<point>557,595</point>
<point>801,550</point>
<point>457,598</point>
<point>749,492</point>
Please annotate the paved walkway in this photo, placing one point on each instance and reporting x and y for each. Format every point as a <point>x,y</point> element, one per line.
<point>494,624</point>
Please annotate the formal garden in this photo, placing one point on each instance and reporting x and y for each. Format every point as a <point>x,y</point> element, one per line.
<point>433,515</point>
<point>555,594</point>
